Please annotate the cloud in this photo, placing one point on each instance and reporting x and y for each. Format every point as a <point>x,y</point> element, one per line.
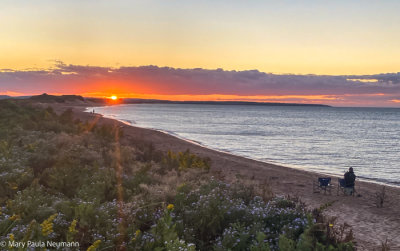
<point>164,81</point>
<point>393,78</point>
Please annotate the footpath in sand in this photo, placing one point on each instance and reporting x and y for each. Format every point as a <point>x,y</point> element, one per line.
<point>371,225</point>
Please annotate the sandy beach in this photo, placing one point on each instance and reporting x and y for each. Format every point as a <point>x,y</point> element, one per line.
<point>371,225</point>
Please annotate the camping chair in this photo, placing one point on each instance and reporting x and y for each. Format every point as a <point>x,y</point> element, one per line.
<point>323,184</point>
<point>342,189</point>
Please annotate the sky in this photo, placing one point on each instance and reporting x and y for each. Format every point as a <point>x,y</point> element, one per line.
<point>332,41</point>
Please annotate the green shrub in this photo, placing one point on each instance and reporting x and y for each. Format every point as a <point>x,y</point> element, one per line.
<point>33,203</point>
<point>185,160</point>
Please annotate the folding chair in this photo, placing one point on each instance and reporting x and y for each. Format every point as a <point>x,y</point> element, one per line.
<point>342,189</point>
<point>323,184</point>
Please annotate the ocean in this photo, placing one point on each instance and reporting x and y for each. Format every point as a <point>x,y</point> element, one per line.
<point>328,140</point>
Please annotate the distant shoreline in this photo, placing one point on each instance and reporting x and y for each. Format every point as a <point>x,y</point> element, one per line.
<point>65,98</point>
<point>149,101</point>
<point>106,101</point>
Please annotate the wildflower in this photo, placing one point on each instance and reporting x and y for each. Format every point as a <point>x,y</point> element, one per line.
<point>11,237</point>
<point>170,207</point>
<point>94,246</point>
<point>72,227</point>
<point>47,225</point>
<point>137,233</point>
<point>15,217</point>
<point>330,225</point>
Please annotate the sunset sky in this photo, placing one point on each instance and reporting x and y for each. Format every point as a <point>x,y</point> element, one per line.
<point>265,48</point>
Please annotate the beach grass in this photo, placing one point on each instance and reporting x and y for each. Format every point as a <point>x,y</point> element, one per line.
<point>79,183</point>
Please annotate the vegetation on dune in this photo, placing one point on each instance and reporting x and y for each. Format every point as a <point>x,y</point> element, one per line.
<point>66,180</point>
<point>45,98</point>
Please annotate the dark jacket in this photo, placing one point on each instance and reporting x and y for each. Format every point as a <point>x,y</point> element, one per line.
<point>349,178</point>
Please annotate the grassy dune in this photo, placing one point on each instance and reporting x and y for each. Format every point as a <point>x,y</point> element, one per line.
<point>66,180</point>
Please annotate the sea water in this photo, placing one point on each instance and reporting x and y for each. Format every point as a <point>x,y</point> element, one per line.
<point>321,139</point>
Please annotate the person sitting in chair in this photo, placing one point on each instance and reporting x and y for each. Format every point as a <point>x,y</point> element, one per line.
<point>349,179</point>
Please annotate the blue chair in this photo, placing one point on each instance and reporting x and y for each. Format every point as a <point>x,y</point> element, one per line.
<point>323,184</point>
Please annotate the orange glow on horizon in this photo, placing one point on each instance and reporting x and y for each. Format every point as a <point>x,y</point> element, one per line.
<point>222,97</point>
<point>327,99</point>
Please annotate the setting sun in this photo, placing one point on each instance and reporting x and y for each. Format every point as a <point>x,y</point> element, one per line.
<point>114,97</point>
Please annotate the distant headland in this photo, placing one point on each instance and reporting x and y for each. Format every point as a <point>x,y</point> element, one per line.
<point>46,98</point>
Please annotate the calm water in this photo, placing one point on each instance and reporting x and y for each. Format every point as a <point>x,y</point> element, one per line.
<point>321,139</point>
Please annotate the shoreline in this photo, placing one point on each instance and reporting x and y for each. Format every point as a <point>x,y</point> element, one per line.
<point>334,175</point>
<point>371,225</point>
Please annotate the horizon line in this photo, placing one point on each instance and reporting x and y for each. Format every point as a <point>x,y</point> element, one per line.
<point>200,101</point>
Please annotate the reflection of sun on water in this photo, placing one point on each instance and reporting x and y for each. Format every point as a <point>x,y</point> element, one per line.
<point>114,97</point>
